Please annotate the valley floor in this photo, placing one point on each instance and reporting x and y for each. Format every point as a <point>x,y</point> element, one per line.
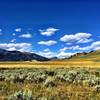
<point>50,64</point>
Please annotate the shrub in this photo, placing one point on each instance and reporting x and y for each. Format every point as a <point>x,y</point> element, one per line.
<point>21,95</point>
<point>97,88</point>
<point>49,82</point>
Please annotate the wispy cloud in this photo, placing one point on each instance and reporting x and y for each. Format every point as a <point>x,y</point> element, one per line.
<point>76,47</point>
<point>13,40</point>
<point>47,43</point>
<point>0,30</point>
<point>77,38</point>
<point>18,29</point>
<point>68,43</point>
<point>13,34</point>
<point>48,32</point>
<point>27,35</point>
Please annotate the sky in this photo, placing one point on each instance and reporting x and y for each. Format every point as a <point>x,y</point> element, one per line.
<point>50,27</point>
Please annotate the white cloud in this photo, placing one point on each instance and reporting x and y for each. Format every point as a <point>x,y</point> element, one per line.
<point>46,50</point>
<point>27,35</point>
<point>11,49</point>
<point>24,47</point>
<point>47,53</point>
<point>14,34</point>
<point>85,40</point>
<point>77,38</point>
<point>49,31</point>
<point>95,45</point>
<point>63,49</point>
<point>77,47</point>
<point>13,40</point>
<point>70,48</point>
<point>18,29</point>
<point>47,43</point>
<point>64,54</point>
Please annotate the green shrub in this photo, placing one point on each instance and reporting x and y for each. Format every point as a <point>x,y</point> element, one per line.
<point>21,95</point>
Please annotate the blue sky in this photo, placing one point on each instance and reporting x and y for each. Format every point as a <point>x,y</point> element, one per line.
<point>50,27</point>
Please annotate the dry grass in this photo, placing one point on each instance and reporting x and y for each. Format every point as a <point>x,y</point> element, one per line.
<point>53,64</point>
<point>72,91</point>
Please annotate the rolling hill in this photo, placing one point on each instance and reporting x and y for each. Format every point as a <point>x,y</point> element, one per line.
<point>91,56</point>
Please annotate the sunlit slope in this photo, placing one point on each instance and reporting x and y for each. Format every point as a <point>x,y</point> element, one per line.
<point>92,56</point>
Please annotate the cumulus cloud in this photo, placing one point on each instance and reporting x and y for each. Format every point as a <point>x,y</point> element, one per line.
<point>27,35</point>
<point>49,31</point>
<point>63,54</point>
<point>47,43</point>
<point>24,47</point>
<point>11,49</point>
<point>92,46</point>
<point>95,45</point>
<point>77,38</point>
<point>47,53</point>
<point>18,29</point>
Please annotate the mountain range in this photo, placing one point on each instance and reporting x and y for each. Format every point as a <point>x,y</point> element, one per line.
<point>6,55</point>
<point>20,56</point>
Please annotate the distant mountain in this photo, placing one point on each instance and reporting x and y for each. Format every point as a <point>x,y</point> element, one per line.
<point>90,56</point>
<point>2,51</point>
<point>53,58</point>
<point>26,56</point>
<point>20,56</point>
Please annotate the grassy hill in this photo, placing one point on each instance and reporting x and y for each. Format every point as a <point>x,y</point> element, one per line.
<point>91,56</point>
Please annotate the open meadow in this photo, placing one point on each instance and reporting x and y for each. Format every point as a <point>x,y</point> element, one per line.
<point>49,64</point>
<point>50,80</point>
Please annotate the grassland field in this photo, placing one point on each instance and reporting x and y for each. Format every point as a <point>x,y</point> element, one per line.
<point>49,64</point>
<point>52,80</point>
